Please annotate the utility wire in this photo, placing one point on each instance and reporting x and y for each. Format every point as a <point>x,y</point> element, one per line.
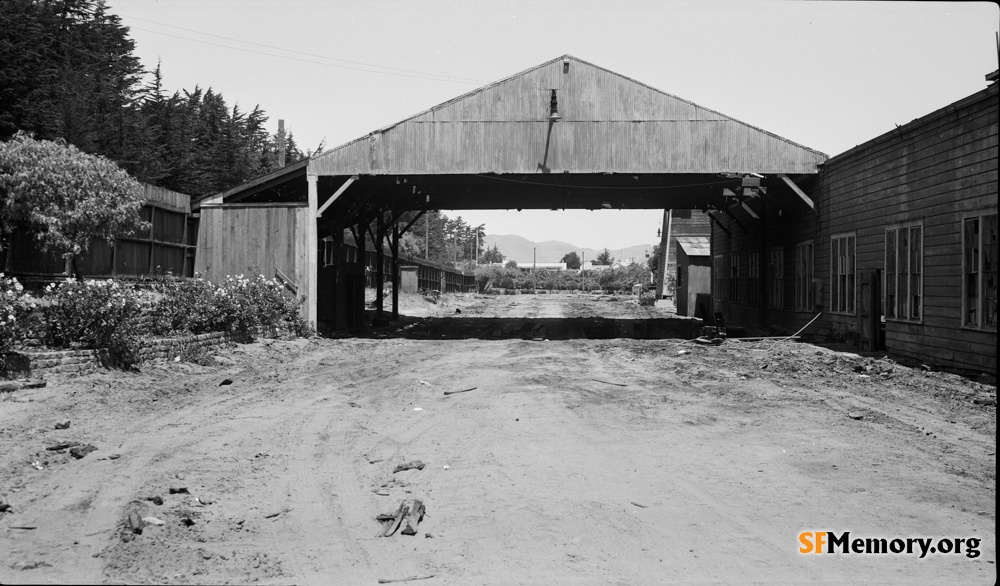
<point>403,72</point>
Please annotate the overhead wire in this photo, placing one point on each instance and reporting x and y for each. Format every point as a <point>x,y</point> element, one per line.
<point>397,71</point>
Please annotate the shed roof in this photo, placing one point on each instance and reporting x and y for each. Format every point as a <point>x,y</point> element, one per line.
<point>608,123</point>
<point>695,245</point>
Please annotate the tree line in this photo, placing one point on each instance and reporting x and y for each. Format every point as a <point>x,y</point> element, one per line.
<point>69,73</point>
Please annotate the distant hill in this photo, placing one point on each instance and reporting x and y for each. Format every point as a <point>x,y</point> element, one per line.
<point>520,249</point>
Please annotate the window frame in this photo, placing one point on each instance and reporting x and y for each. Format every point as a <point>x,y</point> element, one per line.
<point>980,272</point>
<point>844,297</point>
<point>753,278</point>
<point>734,278</point>
<point>776,278</point>
<point>719,277</point>
<point>896,287</point>
<point>804,297</point>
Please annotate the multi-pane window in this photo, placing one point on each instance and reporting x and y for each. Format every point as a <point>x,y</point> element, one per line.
<point>734,278</point>
<point>904,272</point>
<point>719,273</point>
<point>753,278</point>
<point>804,276</point>
<point>979,269</point>
<point>842,258</point>
<point>775,278</point>
<point>328,251</point>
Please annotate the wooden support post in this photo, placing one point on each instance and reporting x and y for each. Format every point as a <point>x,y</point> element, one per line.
<point>379,267</point>
<point>307,282</point>
<point>394,244</point>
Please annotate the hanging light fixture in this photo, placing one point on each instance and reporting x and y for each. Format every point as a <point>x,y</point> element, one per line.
<point>554,108</point>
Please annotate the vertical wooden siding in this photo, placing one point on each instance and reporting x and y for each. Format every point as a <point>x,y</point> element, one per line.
<point>236,240</point>
<point>609,123</point>
<point>933,171</point>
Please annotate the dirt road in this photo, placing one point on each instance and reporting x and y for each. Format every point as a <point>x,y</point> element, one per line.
<point>574,461</point>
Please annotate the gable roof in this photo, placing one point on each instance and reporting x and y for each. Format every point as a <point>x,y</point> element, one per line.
<point>608,123</point>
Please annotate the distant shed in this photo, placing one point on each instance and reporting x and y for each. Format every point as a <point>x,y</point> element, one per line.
<point>694,275</point>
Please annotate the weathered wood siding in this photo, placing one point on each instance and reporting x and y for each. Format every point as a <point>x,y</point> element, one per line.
<point>935,171</point>
<point>160,249</point>
<point>609,123</point>
<point>240,239</point>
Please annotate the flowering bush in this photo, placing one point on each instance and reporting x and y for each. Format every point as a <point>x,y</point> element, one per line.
<point>94,314</point>
<point>15,308</point>
<point>647,298</point>
<point>237,305</point>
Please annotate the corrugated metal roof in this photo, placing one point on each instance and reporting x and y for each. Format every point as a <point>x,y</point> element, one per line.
<point>608,123</point>
<point>695,245</point>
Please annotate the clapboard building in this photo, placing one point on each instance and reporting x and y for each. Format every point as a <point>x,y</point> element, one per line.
<point>898,253</point>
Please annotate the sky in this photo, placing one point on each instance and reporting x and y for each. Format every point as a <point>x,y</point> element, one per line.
<point>827,75</point>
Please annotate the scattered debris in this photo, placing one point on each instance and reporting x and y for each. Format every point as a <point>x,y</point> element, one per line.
<point>409,466</point>
<point>37,465</point>
<point>407,516</point>
<point>639,505</point>
<point>63,425</point>
<point>418,408</point>
<point>4,507</point>
<point>985,401</point>
<point>261,455</point>
<point>413,518</point>
<point>182,490</point>
<point>856,415</point>
<point>135,523</point>
<point>709,341</point>
<point>375,461</point>
<point>153,521</point>
<point>204,500</point>
<point>410,579</point>
<point>353,404</point>
<point>21,566</point>
<point>428,536</point>
<point>607,382</point>
<point>447,467</point>
<point>62,446</point>
<point>423,382</point>
<point>23,527</point>
<point>156,500</point>
<point>79,452</point>
<point>187,521</point>
<point>281,512</point>
<point>683,352</point>
<point>462,391</point>
<point>179,476</point>
<point>457,310</point>
<point>228,381</point>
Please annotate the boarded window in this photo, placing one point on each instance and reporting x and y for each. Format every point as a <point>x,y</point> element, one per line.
<point>979,267</point>
<point>804,276</point>
<point>753,278</point>
<point>904,267</point>
<point>842,274</point>
<point>775,278</point>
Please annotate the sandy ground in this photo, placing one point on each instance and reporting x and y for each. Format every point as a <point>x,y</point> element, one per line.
<point>574,461</point>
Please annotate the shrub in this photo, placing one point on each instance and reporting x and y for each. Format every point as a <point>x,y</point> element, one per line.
<point>507,283</point>
<point>185,305</point>
<point>94,314</point>
<point>647,298</point>
<point>15,309</point>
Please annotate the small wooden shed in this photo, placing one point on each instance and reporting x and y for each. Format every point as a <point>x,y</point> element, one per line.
<point>694,275</point>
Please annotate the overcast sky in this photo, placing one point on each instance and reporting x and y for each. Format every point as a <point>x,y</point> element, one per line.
<point>828,75</point>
